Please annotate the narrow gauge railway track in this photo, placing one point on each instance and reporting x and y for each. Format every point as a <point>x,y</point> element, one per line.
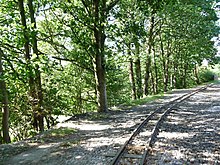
<point>138,146</point>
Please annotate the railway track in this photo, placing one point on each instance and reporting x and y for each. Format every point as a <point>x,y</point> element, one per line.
<point>139,145</point>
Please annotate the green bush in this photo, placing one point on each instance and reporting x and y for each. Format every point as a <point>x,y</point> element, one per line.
<point>206,75</point>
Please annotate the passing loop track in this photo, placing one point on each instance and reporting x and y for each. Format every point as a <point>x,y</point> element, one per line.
<point>138,146</point>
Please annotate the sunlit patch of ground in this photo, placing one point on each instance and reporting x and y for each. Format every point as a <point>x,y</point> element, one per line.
<point>85,126</point>
<point>174,135</point>
<point>191,134</point>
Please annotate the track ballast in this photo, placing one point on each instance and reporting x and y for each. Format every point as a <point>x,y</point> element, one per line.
<point>139,145</point>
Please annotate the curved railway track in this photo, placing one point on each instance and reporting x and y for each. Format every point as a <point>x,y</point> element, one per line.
<point>137,148</point>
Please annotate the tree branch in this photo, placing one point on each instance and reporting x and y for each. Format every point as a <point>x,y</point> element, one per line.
<point>81,42</point>
<point>12,67</point>
<point>74,62</point>
<point>7,46</point>
<point>86,6</point>
<point>111,5</point>
<point>77,19</point>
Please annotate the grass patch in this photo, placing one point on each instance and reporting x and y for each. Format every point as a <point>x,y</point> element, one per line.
<point>142,101</point>
<point>98,116</point>
<point>60,132</point>
<point>215,82</point>
<point>54,134</point>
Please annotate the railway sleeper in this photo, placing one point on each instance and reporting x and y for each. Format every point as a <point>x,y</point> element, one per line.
<point>132,156</point>
<point>160,113</point>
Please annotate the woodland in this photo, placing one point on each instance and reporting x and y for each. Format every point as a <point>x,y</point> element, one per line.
<point>66,57</point>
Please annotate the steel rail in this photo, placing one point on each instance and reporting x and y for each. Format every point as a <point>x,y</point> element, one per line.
<point>155,131</point>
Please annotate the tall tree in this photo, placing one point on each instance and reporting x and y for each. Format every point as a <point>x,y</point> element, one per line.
<point>148,60</point>
<point>100,18</point>
<point>100,11</point>
<point>5,104</point>
<point>88,21</point>
<point>131,74</point>
<point>40,114</point>
<point>138,70</point>
<point>129,29</point>
<point>35,90</point>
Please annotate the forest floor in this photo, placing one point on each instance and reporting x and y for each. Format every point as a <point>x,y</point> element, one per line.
<point>190,135</point>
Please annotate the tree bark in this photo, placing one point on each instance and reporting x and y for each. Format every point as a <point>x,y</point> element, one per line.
<point>166,72</point>
<point>40,114</point>
<point>138,71</point>
<point>175,74</point>
<point>156,73</point>
<point>196,72</point>
<point>148,61</point>
<point>168,64</point>
<point>34,82</point>
<point>99,11</point>
<point>100,84</point>
<point>164,60</point>
<point>147,75</point>
<point>152,81</point>
<point>5,107</point>
<point>185,75</point>
<point>27,58</point>
<point>99,41</point>
<point>132,80</point>
<point>172,73</point>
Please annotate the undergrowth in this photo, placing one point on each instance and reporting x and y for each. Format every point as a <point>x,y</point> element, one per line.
<point>141,101</point>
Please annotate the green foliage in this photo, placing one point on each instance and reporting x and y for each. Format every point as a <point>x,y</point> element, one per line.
<point>141,101</point>
<point>117,84</point>
<point>59,132</point>
<point>21,112</point>
<point>69,91</point>
<point>206,75</point>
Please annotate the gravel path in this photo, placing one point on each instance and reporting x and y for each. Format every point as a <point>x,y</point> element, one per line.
<point>190,135</point>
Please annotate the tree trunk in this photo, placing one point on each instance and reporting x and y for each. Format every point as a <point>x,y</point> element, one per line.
<point>33,83</point>
<point>147,75</point>
<point>196,72</point>
<point>132,80</point>
<point>156,73</point>
<point>138,71</point>
<point>172,75</point>
<point>40,111</point>
<point>185,76</point>
<point>152,81</point>
<point>100,84</point>
<point>5,108</point>
<point>99,41</point>
<point>166,73</point>
<point>25,32</point>
<point>175,75</point>
<point>167,66</point>
<point>27,58</point>
<point>177,68</point>
<point>164,61</point>
<point>148,61</point>
<point>40,114</point>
